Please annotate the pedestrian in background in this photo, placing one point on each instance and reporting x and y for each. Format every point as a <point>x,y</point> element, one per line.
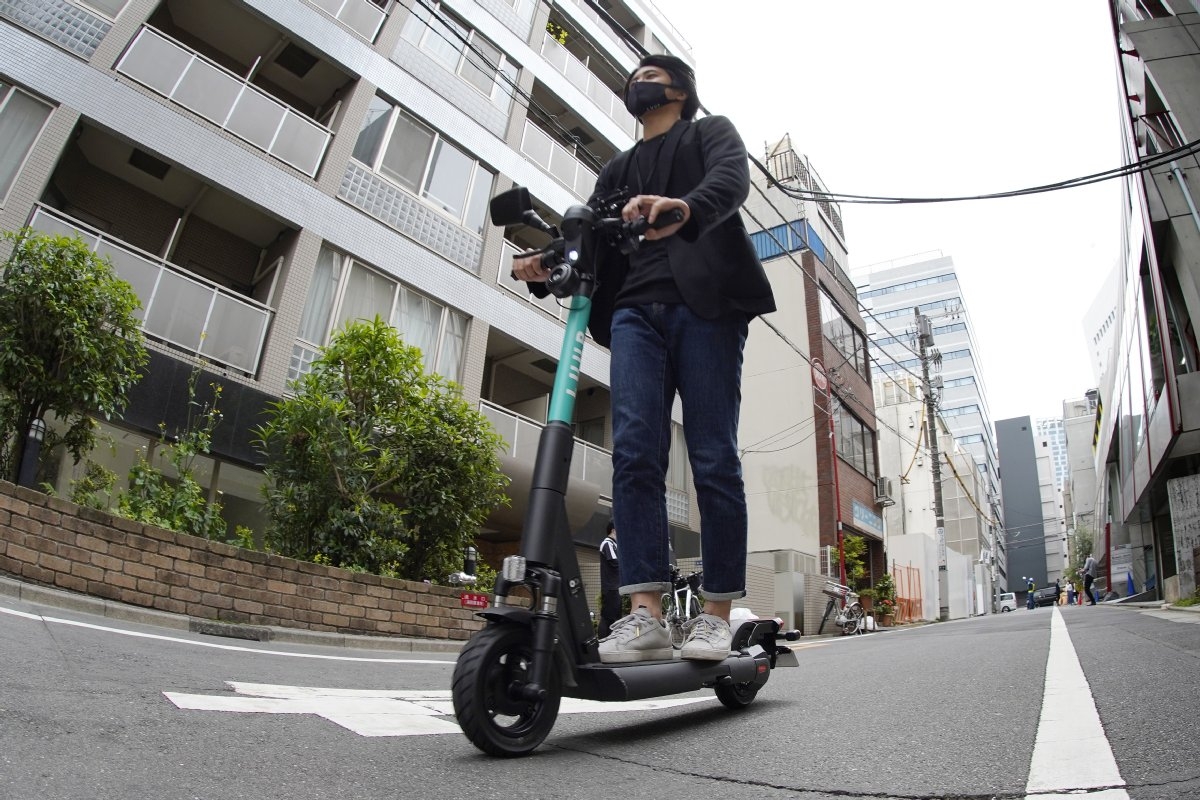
<point>1070,593</point>
<point>1089,577</point>
<point>610,581</point>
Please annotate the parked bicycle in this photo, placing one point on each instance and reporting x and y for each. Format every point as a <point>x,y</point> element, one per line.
<point>682,604</point>
<point>850,616</point>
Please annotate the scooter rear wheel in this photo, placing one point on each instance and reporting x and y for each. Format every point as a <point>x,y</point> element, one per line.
<point>495,661</point>
<point>736,695</point>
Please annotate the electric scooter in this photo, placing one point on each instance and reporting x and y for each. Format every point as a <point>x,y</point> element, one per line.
<point>539,644</point>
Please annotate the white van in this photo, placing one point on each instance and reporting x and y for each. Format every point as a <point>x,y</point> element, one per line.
<point>1008,602</point>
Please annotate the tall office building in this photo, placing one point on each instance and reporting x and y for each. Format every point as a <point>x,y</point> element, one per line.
<point>265,171</point>
<point>1147,435</point>
<point>1056,441</point>
<point>1030,541</point>
<point>893,291</point>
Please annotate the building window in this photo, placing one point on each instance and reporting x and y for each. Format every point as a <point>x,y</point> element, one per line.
<point>460,49</point>
<point>855,441</point>
<point>344,291</point>
<point>848,340</point>
<point>21,121</point>
<point>398,146</point>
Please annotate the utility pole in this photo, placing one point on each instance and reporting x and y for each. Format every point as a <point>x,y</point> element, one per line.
<point>925,341</point>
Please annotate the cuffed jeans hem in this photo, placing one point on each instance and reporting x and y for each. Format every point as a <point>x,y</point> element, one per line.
<point>659,588</point>
<point>707,595</point>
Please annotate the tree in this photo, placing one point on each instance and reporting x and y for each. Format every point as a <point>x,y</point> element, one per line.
<point>178,503</point>
<point>70,343</point>
<point>1082,542</point>
<point>374,465</point>
<point>855,549</point>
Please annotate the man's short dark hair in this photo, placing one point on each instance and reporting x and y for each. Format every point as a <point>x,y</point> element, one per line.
<point>612,526</point>
<point>682,77</point>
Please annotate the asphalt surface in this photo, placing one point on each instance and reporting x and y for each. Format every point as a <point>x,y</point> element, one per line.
<point>101,700</point>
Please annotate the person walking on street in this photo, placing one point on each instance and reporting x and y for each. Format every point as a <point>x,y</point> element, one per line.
<point>675,314</point>
<point>1089,577</point>
<point>1057,592</point>
<point>1070,593</point>
<point>610,582</point>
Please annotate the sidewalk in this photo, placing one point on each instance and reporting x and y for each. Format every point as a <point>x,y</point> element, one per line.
<point>111,609</point>
<point>1157,605</point>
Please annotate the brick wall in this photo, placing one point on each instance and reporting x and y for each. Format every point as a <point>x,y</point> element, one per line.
<point>53,542</point>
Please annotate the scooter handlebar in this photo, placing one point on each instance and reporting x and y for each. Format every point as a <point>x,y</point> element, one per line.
<point>626,232</point>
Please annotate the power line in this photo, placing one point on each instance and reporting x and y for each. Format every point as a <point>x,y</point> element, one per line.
<point>1141,165</point>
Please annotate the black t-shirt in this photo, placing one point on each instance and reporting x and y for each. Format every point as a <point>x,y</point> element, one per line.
<point>649,279</point>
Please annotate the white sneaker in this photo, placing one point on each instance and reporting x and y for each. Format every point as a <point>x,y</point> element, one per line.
<point>637,637</point>
<point>708,639</point>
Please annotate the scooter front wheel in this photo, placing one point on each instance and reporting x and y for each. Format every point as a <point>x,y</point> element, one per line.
<point>492,667</point>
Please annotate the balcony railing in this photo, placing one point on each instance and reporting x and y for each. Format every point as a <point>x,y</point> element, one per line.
<point>586,81</point>
<point>179,73</point>
<point>588,462</point>
<point>587,11</point>
<point>362,16</point>
<point>558,161</point>
<point>178,307</point>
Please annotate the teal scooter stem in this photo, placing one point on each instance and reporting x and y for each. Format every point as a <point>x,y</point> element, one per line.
<point>539,642</point>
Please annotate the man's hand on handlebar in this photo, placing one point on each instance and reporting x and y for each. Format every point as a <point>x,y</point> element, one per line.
<point>651,206</point>
<point>529,268</point>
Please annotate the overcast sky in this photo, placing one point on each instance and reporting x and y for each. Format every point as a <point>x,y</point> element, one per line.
<point>936,98</point>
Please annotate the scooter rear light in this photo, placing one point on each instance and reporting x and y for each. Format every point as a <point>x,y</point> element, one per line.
<point>513,569</point>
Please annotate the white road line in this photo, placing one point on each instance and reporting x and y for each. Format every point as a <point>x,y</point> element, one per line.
<point>1071,751</point>
<point>378,712</point>
<point>215,645</point>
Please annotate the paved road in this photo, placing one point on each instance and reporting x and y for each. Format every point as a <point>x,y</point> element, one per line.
<point>96,708</point>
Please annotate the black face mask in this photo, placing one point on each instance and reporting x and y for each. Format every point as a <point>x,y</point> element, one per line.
<point>646,96</point>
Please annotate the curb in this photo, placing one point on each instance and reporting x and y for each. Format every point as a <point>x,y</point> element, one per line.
<point>111,609</point>
<point>1157,605</point>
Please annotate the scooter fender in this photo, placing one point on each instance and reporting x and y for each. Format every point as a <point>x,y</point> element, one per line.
<point>508,614</point>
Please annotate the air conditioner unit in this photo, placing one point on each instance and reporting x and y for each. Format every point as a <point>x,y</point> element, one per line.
<point>883,491</point>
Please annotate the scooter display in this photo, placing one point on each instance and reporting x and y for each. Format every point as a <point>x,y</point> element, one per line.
<point>539,644</point>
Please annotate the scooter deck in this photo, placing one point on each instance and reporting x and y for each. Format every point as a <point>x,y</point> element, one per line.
<point>644,679</point>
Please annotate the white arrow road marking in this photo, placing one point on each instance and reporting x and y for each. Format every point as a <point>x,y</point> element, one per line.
<point>1071,752</point>
<point>376,712</point>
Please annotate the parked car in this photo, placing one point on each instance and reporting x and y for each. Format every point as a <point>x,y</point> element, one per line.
<point>1008,602</point>
<point>1045,596</point>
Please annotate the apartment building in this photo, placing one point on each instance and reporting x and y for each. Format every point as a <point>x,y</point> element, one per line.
<point>264,171</point>
<point>811,458</point>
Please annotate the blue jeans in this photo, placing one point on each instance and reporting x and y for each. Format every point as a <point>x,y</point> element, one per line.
<point>658,350</point>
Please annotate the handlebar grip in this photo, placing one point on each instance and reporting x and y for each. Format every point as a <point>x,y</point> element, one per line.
<point>640,225</point>
<point>547,257</point>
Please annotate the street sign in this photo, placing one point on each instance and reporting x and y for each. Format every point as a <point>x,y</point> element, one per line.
<point>818,377</point>
<point>474,600</point>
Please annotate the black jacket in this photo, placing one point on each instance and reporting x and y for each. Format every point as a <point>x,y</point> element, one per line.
<point>716,269</point>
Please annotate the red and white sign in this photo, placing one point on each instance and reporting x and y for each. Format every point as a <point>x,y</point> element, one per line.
<point>818,377</point>
<point>474,600</point>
